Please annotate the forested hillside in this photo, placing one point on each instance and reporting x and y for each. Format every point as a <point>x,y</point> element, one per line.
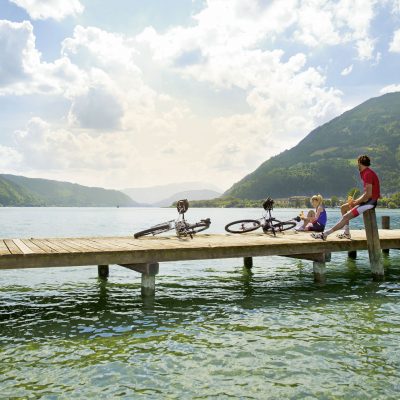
<point>12,194</point>
<point>21,191</point>
<point>325,160</point>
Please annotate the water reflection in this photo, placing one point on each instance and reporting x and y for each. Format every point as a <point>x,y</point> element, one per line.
<point>101,308</point>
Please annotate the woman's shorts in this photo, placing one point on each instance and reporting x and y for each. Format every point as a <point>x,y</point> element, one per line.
<point>362,207</point>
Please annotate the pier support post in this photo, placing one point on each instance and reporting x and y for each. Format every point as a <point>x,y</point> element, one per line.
<point>385,225</point>
<point>352,254</point>
<point>149,272</point>
<point>319,269</point>
<point>319,264</point>
<point>103,271</point>
<point>248,262</point>
<point>373,243</point>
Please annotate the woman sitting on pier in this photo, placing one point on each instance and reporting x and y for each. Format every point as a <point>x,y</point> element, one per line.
<point>315,220</point>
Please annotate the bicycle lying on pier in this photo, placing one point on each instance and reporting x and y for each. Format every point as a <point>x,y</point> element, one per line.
<point>267,222</point>
<point>181,226</point>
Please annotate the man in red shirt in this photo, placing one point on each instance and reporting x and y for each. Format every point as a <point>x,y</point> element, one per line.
<point>354,208</point>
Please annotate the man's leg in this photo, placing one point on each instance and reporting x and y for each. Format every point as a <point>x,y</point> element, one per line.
<point>345,208</point>
<point>342,223</point>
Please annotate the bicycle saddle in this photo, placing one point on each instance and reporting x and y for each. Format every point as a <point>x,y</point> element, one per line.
<point>268,204</point>
<point>182,206</point>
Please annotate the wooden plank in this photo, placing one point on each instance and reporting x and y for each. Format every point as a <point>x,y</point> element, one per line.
<point>14,249</point>
<point>39,243</point>
<point>4,250</point>
<point>61,243</point>
<point>54,246</point>
<point>76,247</point>
<point>101,246</point>
<point>22,246</point>
<point>35,248</point>
<point>83,246</point>
<point>109,245</point>
<point>131,242</point>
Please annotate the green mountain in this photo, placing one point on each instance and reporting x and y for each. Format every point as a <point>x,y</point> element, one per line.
<point>21,191</point>
<point>12,194</point>
<point>325,160</point>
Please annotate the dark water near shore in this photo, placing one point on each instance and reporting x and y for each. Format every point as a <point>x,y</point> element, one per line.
<point>213,330</point>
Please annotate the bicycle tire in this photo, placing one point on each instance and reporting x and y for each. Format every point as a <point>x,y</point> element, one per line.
<point>281,226</point>
<point>154,230</point>
<point>199,227</point>
<point>242,227</point>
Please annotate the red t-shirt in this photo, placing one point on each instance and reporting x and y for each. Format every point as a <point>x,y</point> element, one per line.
<point>369,177</point>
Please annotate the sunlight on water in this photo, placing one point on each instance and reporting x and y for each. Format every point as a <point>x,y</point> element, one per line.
<point>213,330</point>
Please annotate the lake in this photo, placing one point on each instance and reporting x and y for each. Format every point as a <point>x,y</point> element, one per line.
<point>213,329</point>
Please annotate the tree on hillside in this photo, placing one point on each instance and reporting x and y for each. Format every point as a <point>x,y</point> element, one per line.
<point>334,201</point>
<point>354,193</point>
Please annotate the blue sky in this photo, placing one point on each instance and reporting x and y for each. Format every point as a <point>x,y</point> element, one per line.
<point>134,93</point>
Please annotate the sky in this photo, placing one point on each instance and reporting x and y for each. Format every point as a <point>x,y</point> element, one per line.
<point>133,93</point>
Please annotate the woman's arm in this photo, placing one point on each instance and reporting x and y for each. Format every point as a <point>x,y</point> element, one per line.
<point>319,211</point>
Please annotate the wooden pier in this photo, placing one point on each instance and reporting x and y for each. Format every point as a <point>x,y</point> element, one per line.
<point>144,255</point>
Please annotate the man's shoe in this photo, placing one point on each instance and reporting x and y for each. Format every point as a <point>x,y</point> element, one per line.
<point>318,235</point>
<point>343,235</point>
<point>299,229</point>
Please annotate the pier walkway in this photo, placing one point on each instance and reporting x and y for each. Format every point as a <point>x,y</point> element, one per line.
<point>144,255</point>
<point>62,252</point>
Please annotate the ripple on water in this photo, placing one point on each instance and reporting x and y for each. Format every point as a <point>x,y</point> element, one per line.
<point>214,330</point>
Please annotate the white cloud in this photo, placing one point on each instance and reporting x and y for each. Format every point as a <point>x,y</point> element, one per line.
<point>19,57</point>
<point>365,49</point>
<point>92,46</point>
<point>9,158</point>
<point>286,97</point>
<point>118,124</point>
<point>322,22</point>
<point>55,9</point>
<point>396,7</point>
<point>316,25</point>
<point>117,159</point>
<point>390,89</point>
<point>98,108</point>
<point>47,147</point>
<point>21,69</point>
<point>394,45</point>
<point>347,71</point>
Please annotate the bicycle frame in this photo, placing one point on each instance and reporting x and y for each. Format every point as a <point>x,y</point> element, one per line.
<point>266,223</point>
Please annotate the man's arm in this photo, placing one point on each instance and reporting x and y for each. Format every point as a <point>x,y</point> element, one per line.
<point>365,196</point>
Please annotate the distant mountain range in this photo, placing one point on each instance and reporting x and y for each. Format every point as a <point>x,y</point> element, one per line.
<point>165,195</point>
<point>190,195</point>
<point>325,160</point>
<point>21,191</point>
<point>18,190</point>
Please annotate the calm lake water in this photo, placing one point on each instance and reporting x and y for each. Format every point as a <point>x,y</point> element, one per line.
<point>213,330</point>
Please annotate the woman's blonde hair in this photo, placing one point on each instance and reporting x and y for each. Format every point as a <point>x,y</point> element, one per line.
<point>318,198</point>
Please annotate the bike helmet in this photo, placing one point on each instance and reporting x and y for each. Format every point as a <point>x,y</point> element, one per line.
<point>268,204</point>
<point>182,206</point>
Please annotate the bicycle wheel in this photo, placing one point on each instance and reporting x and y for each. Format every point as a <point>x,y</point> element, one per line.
<point>280,226</point>
<point>199,226</point>
<point>242,226</point>
<point>154,230</point>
